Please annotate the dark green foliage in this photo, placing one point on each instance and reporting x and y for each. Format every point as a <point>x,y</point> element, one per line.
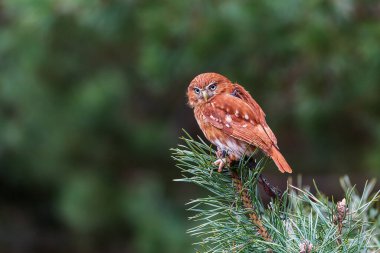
<point>92,96</point>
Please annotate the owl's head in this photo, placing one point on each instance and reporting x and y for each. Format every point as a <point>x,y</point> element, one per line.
<point>204,87</point>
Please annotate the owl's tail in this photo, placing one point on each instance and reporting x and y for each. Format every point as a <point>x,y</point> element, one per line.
<point>280,161</point>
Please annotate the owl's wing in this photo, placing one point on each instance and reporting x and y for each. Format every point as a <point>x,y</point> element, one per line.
<point>243,94</point>
<point>237,119</point>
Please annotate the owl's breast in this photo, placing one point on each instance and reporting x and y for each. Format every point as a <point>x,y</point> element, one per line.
<point>221,139</point>
<point>207,128</point>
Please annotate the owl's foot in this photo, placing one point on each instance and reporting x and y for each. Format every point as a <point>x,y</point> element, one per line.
<point>223,159</point>
<point>221,162</point>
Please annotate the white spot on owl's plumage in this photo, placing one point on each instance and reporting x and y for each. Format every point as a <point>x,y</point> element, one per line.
<point>245,125</point>
<point>228,118</point>
<point>228,125</point>
<point>246,116</point>
<point>237,113</point>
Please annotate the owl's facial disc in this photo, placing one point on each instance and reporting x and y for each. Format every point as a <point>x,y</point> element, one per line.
<point>207,92</point>
<point>205,87</point>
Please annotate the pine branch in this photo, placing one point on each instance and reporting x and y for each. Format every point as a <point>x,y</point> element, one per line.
<point>302,222</point>
<point>248,205</point>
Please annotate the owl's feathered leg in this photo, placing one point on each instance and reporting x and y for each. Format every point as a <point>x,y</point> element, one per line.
<point>222,160</point>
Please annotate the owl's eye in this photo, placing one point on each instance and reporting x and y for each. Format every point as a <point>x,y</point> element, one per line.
<point>212,86</point>
<point>197,90</point>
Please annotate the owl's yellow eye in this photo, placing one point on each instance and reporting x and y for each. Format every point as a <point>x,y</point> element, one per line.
<point>197,90</point>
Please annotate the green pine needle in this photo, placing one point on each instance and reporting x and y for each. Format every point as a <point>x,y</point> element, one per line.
<point>301,217</point>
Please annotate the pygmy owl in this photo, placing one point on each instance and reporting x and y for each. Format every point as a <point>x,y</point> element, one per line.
<point>232,120</point>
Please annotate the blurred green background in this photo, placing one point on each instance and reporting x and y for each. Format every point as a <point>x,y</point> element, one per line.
<point>92,96</point>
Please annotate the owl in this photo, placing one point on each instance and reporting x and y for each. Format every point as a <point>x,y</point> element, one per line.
<point>232,120</point>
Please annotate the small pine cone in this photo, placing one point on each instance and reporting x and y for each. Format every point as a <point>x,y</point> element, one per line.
<point>306,247</point>
<point>342,209</point>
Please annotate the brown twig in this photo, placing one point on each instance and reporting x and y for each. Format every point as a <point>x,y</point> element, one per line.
<point>248,205</point>
<point>269,189</point>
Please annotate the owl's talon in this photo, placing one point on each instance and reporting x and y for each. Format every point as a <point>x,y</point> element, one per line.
<point>221,163</point>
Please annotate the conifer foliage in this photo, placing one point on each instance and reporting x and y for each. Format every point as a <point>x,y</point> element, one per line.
<point>233,217</point>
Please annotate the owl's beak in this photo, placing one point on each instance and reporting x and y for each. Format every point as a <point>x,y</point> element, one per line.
<point>205,95</point>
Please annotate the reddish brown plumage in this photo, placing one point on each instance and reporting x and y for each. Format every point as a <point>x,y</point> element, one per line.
<point>231,119</point>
